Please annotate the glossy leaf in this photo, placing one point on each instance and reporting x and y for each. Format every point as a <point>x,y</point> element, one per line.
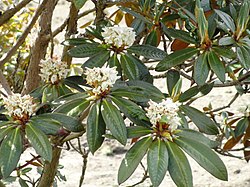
<point>203,122</point>
<point>228,21</point>
<point>226,41</point>
<point>132,159</point>
<point>244,56</point>
<point>204,156</point>
<point>95,128</point>
<point>197,136</point>
<point>181,35</point>
<point>225,52</point>
<point>153,38</point>
<point>114,121</point>
<point>173,76</point>
<point>70,123</point>
<point>79,3</point>
<point>135,14</point>
<point>241,127</point>
<point>231,142</point>
<point>216,65</point>
<point>178,166</point>
<point>39,141</point>
<point>201,69</point>
<point>85,50</point>
<point>147,51</point>
<point>129,68</point>
<point>97,60</point>
<point>157,160</point>
<point>202,24</point>
<point>188,94</point>
<point>138,131</point>
<point>10,151</point>
<point>176,58</point>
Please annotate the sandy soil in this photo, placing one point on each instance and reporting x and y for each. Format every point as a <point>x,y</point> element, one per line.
<point>102,167</point>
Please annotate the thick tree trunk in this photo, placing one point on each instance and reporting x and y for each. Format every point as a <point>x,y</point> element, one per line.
<point>38,51</point>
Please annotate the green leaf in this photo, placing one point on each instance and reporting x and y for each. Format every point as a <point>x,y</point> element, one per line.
<point>152,38</point>
<point>204,156</point>
<point>244,56</point>
<point>201,69</point>
<point>132,159</point>
<point>226,41</point>
<point>188,94</point>
<point>95,128</point>
<point>79,3</point>
<point>243,17</point>
<point>5,131</point>
<point>10,151</point>
<point>138,131</point>
<point>178,166</point>
<point>216,65</point>
<point>197,136</point>
<point>173,76</point>
<point>74,41</point>
<point>225,52</point>
<point>129,68</point>
<point>228,21</point>
<point>46,125</point>
<point>147,51</point>
<point>22,183</point>
<point>85,50</point>
<point>97,60</point>
<point>202,24</point>
<point>70,123</point>
<point>39,141</point>
<point>138,25</point>
<point>176,58</point>
<point>157,160</point>
<point>206,88</point>
<point>114,121</point>
<point>73,107</point>
<point>176,90</point>
<point>74,82</point>
<point>135,14</point>
<point>132,111</point>
<point>203,122</point>
<point>181,35</point>
<point>241,127</point>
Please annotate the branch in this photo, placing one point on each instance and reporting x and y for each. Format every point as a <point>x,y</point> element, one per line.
<point>28,162</point>
<point>22,38</point>
<point>5,84</point>
<point>11,12</point>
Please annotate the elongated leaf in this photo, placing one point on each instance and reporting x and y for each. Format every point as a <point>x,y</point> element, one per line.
<point>201,69</point>
<point>178,166</point>
<point>98,60</point>
<point>138,25</point>
<point>132,111</point>
<point>197,136</point>
<point>226,41</point>
<point>203,122</point>
<point>173,77</point>
<point>70,123</point>
<point>95,128</point>
<point>181,35</point>
<point>5,131</point>
<point>132,159</point>
<point>188,94</point>
<point>39,141</point>
<point>147,51</point>
<point>114,121</point>
<point>204,156</point>
<point>85,50</point>
<point>241,127</point>
<point>202,24</point>
<point>74,41</point>
<point>138,131</point>
<point>243,17</point>
<point>10,151</point>
<point>228,21</point>
<point>231,143</point>
<point>46,125</point>
<point>216,65</point>
<point>225,52</point>
<point>244,56</point>
<point>157,160</point>
<point>129,68</point>
<point>135,14</point>
<point>176,58</point>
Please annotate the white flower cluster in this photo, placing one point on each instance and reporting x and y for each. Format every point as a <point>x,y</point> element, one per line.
<point>119,36</point>
<point>101,79</point>
<point>18,105</point>
<point>164,111</point>
<point>53,70</point>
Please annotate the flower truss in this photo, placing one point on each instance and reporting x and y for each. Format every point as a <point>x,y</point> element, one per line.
<point>19,107</point>
<point>53,70</point>
<point>164,116</point>
<point>119,37</point>
<point>101,79</point>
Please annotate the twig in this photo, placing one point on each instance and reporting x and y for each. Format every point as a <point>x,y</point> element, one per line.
<point>228,154</point>
<point>145,176</point>
<point>9,13</point>
<point>5,84</point>
<point>85,154</point>
<point>22,38</point>
<point>28,163</point>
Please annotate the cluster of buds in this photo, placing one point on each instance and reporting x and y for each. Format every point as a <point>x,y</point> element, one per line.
<point>53,70</point>
<point>119,37</point>
<point>19,107</point>
<point>101,79</point>
<point>164,115</point>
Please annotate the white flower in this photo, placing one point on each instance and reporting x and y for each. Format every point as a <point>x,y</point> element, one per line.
<point>166,111</point>
<point>119,36</point>
<point>19,106</point>
<point>53,70</point>
<point>101,79</point>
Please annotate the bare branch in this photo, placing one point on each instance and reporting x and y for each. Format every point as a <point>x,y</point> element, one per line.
<point>22,38</point>
<point>11,12</point>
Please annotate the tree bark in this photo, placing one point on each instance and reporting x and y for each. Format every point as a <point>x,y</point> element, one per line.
<point>39,49</point>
